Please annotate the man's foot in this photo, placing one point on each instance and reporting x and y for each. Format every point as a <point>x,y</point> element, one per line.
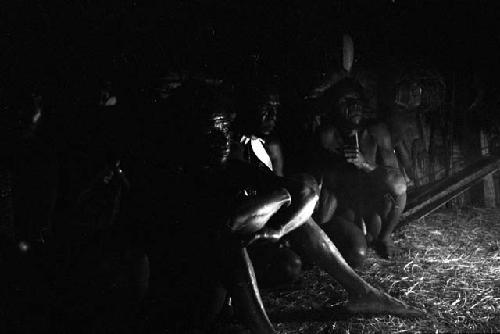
<point>377,302</point>
<point>386,248</point>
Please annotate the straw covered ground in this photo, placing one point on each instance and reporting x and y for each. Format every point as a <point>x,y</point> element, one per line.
<point>450,268</point>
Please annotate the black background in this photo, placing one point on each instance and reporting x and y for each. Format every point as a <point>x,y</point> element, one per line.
<point>70,40</point>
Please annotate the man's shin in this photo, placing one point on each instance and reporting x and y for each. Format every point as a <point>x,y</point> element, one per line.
<point>394,207</point>
<point>244,291</point>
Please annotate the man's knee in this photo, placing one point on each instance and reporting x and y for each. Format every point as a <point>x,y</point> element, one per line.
<point>394,181</point>
<point>304,185</point>
<point>350,241</point>
<point>353,249</point>
<point>398,186</point>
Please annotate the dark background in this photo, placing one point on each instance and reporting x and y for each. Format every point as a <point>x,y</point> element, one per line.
<point>70,40</point>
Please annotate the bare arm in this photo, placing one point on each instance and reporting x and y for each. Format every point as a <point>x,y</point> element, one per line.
<point>276,155</point>
<point>254,212</point>
<point>390,173</point>
<point>305,195</point>
<point>405,159</point>
<point>382,148</point>
<point>385,149</point>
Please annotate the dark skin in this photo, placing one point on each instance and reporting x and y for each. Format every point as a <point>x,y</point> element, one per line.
<point>312,241</point>
<point>309,239</point>
<point>248,222</point>
<point>251,217</point>
<point>362,187</point>
<point>267,118</point>
<point>406,134</point>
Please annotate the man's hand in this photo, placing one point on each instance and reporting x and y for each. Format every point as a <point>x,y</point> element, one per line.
<point>355,157</point>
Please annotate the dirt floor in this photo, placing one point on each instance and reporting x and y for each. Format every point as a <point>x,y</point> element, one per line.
<point>450,268</point>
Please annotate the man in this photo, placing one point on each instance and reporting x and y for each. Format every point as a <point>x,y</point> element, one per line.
<point>257,144</point>
<point>256,123</point>
<point>363,192</point>
<point>406,124</point>
<point>268,107</point>
<point>228,207</point>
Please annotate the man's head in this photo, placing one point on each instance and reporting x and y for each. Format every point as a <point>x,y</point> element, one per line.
<point>267,112</point>
<point>259,111</point>
<point>345,103</point>
<point>200,126</point>
<point>348,101</point>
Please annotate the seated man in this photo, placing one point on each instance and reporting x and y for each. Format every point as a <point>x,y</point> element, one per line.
<point>230,202</point>
<point>309,239</point>
<point>257,143</point>
<point>407,124</point>
<point>362,186</point>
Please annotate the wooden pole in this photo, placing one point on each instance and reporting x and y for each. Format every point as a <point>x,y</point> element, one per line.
<point>488,182</point>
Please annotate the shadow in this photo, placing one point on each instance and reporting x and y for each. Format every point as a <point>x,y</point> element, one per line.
<point>334,313</point>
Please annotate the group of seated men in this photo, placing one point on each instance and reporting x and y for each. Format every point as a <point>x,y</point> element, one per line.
<point>348,197</point>
<point>206,201</point>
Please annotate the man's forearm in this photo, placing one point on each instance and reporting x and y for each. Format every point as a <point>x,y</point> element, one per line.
<point>253,213</point>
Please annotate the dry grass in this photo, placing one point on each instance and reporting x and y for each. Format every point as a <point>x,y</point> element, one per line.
<point>450,268</point>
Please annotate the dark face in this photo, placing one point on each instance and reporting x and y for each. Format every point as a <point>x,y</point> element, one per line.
<point>199,130</point>
<point>268,114</point>
<point>213,145</point>
<point>350,108</point>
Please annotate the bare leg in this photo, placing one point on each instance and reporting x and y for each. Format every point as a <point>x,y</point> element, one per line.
<point>373,227</point>
<point>348,238</point>
<point>384,244</point>
<point>363,298</point>
<point>245,293</point>
<point>238,282</point>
